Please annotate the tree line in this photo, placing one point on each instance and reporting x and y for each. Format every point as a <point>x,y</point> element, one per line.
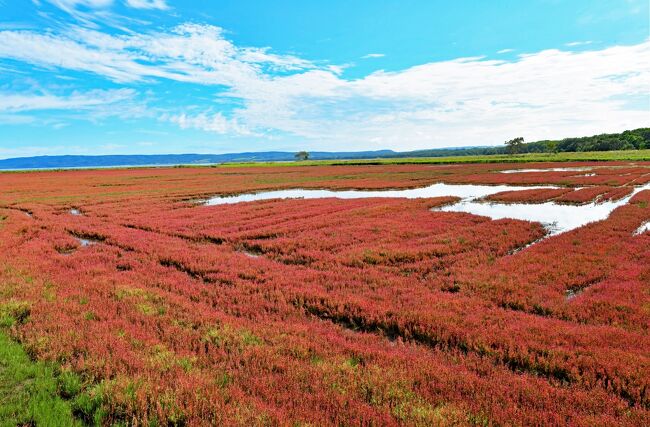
<point>637,139</point>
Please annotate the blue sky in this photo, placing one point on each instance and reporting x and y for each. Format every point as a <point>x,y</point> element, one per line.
<point>171,76</point>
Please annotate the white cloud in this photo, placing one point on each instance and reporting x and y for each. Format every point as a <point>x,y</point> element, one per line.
<point>474,101</point>
<point>13,103</point>
<point>467,101</point>
<point>190,53</point>
<point>210,123</point>
<point>571,44</point>
<point>111,147</point>
<point>54,150</point>
<point>69,5</point>
<point>101,13</point>
<point>505,51</point>
<point>373,55</point>
<point>42,150</point>
<point>16,119</point>
<point>73,6</point>
<point>85,11</point>
<point>147,4</point>
<point>56,111</point>
<point>52,51</point>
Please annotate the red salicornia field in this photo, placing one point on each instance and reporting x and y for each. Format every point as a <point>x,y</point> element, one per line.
<point>155,308</point>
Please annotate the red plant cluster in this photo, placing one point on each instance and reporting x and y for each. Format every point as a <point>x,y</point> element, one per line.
<point>584,195</point>
<point>528,196</point>
<point>614,194</point>
<point>562,195</point>
<point>366,311</point>
<point>614,174</point>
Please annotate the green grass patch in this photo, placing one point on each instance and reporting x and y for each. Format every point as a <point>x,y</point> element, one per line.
<point>13,312</point>
<point>579,156</point>
<point>28,390</point>
<point>586,156</point>
<point>231,339</point>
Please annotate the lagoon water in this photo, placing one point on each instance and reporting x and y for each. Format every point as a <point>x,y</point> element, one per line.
<point>464,191</point>
<point>574,169</point>
<point>557,218</point>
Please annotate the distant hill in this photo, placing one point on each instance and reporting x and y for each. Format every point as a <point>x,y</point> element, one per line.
<point>56,162</point>
<point>637,139</point>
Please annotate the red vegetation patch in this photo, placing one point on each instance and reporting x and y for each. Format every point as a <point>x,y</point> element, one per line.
<point>615,194</point>
<point>351,312</point>
<point>528,196</point>
<point>584,195</point>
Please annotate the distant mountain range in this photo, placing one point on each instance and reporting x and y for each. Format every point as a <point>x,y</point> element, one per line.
<point>627,140</point>
<point>60,162</point>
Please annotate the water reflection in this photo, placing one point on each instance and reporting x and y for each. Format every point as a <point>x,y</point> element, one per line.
<point>574,169</point>
<point>436,190</point>
<point>556,218</point>
<point>645,228</point>
<point>86,242</point>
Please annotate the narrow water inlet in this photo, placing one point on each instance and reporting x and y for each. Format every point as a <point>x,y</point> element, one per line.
<point>83,242</point>
<point>573,169</point>
<point>86,242</point>
<point>250,254</point>
<point>645,228</point>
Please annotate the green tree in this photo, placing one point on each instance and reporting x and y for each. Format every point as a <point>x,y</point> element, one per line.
<point>514,145</point>
<point>302,155</point>
<point>553,147</point>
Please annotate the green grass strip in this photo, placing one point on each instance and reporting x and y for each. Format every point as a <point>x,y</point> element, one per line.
<point>587,156</point>
<point>578,156</point>
<point>28,390</point>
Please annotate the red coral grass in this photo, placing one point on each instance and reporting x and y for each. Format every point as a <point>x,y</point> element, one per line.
<point>356,312</point>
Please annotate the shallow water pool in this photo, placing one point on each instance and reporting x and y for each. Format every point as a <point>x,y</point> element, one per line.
<point>464,191</point>
<point>574,169</point>
<point>556,218</point>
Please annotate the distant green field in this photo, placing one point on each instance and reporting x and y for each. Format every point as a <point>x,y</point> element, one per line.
<point>599,156</point>
<point>586,156</point>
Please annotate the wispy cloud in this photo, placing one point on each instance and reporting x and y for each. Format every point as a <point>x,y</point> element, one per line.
<point>58,110</point>
<point>216,122</point>
<point>85,11</point>
<point>70,5</point>
<point>373,55</point>
<point>472,101</point>
<point>16,119</point>
<point>190,53</point>
<point>147,4</point>
<point>44,150</point>
<point>578,43</point>
<point>505,51</point>
<point>12,102</point>
<point>467,101</point>
<point>98,13</point>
